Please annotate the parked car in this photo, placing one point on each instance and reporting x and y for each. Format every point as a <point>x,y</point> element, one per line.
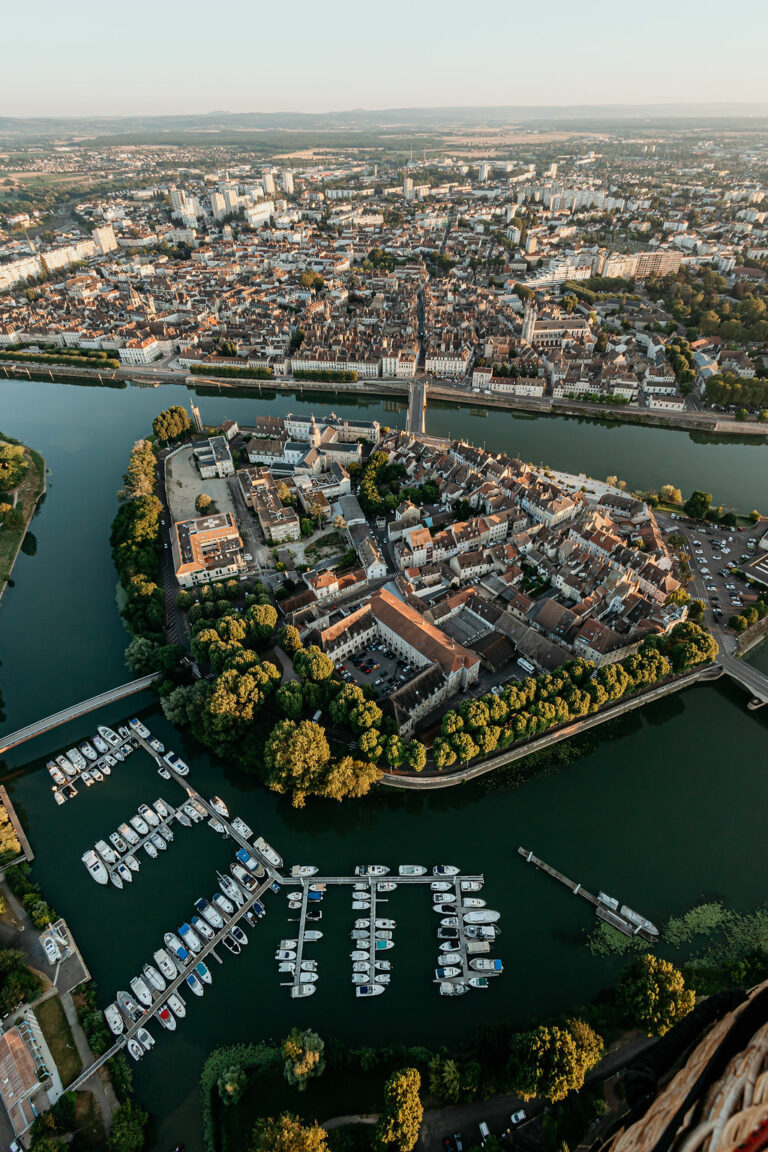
<point>485,1131</point>
<point>517,1117</point>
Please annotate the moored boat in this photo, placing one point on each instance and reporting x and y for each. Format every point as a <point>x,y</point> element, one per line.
<point>299,991</point>
<point>77,758</point>
<point>107,734</point>
<point>153,978</point>
<point>100,744</point>
<point>141,991</point>
<point>231,889</point>
<point>190,938</point>
<point>114,1020</point>
<point>56,773</point>
<point>242,828</point>
<point>450,988</point>
<point>148,815</point>
<point>135,1049</point>
<point>209,913</point>
<point>129,1007</point>
<point>150,849</point>
<point>364,990</point>
<point>202,927</point>
<point>478,982</point>
<point>371,870</point>
<point>167,1019</point>
<point>128,834</point>
<point>411,870</point>
<point>88,751</point>
<point>146,1040</point>
<point>108,855</point>
<point>482,916</point>
<point>165,964</point>
<point>268,852</point>
<point>96,867</point>
<point>140,825</point>
<point>194,984</point>
<point>202,970</point>
<point>445,870</point>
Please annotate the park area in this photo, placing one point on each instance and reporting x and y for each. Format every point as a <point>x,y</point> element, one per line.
<point>22,483</point>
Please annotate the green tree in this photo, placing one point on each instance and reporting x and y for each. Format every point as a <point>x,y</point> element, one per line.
<point>171,424</point>
<point>203,503</point>
<point>289,639</point>
<point>416,756</point>
<point>140,477</point>
<point>697,504</point>
<point>652,995</point>
<point>290,699</point>
<point>13,466</point>
<point>312,663</point>
<point>442,753</point>
<point>348,777</point>
<point>550,1061</point>
<point>303,1057</point>
<point>231,1084</point>
<point>128,1124</point>
<point>17,982</point>
<point>287,1134</point>
<point>670,495</point>
<point>401,1114</point>
<point>261,620</point>
<point>296,756</point>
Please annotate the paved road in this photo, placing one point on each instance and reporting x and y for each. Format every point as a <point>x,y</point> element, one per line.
<point>465,1118</point>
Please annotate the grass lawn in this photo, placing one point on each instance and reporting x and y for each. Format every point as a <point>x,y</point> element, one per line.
<point>346,1092</point>
<point>30,490</point>
<point>58,1035</point>
<point>88,1124</point>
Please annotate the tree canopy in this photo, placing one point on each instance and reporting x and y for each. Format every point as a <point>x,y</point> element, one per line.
<point>550,1061</point>
<point>401,1114</point>
<point>171,424</point>
<point>13,465</point>
<point>303,1057</point>
<point>287,1134</point>
<point>653,995</point>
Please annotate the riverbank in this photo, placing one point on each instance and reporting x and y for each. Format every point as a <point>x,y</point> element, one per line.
<point>24,499</point>
<point>709,423</point>
<point>567,732</point>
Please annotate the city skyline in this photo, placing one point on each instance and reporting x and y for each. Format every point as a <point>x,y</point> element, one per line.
<point>334,57</point>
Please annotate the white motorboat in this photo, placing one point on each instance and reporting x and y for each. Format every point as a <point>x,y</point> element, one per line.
<point>286,966</point>
<point>444,897</point>
<point>114,1019</point>
<point>129,834</point>
<point>449,988</point>
<point>242,828</point>
<point>199,808</point>
<point>166,1019</point>
<point>117,842</point>
<point>307,977</point>
<point>66,765</point>
<point>158,841</point>
<point>59,797</point>
<point>303,870</point>
<point>240,936</point>
<point>364,990</point>
<point>470,902</point>
<point>107,763</point>
<point>149,816</point>
<point>77,758</point>
<point>447,932</point>
<point>360,934</point>
<point>386,886</point>
<point>56,773</point>
<point>192,812</point>
<point>155,743</point>
<point>163,810</point>
<point>107,734</point>
<point>441,886</point>
<point>129,1007</point>
<point>478,982</point>
<point>411,870</point>
<point>190,938</point>
<point>202,971</point>
<point>165,964</point>
<point>150,849</point>
<point>87,779</point>
<point>299,991</point>
<point>88,751</point>
<point>231,944</point>
<point>361,905</point>
<point>487,965</point>
<point>371,870</point>
<point>145,1039</point>
<point>140,729</point>
<point>231,889</point>
<point>202,927</point>
<point>244,877</point>
<point>172,943</point>
<point>96,867</point>
<point>194,984</point>
<point>361,966</point>
<point>176,763</point>
<point>123,732</point>
<point>108,855</point>
<point>382,978</point>
<point>219,806</point>
<point>135,1049</point>
<point>382,965</point>
<point>449,922</point>
<point>153,978</point>
<point>116,878</point>
<point>482,916</point>
<point>165,832</point>
<point>360,977</point>
<point>97,774</point>
<point>140,825</point>
<point>290,944</point>
<point>383,934</point>
<point>132,862</point>
<point>481,932</point>
<point>117,754</point>
<point>123,872</point>
<point>362,922</point>
<point>267,851</point>
<point>448,946</point>
<point>223,904</point>
<point>100,745</point>
<point>385,922</point>
<point>449,958</point>
<point>217,826</point>
<point>209,913</point>
<point>359,954</point>
<point>141,991</point>
<point>163,772</point>
<point>52,950</point>
<point>445,909</point>
<point>285,954</point>
<point>183,818</point>
<point>445,870</point>
<point>312,935</point>
<point>448,972</point>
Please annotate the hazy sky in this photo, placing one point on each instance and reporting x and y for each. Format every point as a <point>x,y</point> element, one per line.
<point>106,57</point>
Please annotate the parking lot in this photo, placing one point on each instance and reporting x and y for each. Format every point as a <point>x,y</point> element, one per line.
<point>713,553</point>
<point>378,666</point>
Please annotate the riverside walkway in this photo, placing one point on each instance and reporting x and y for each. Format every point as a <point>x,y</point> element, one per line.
<point>40,726</point>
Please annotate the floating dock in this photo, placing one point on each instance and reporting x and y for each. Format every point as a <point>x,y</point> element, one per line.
<point>623,918</point>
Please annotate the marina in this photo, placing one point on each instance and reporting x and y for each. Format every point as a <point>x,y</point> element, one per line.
<point>90,762</point>
<point>150,830</point>
<point>607,908</point>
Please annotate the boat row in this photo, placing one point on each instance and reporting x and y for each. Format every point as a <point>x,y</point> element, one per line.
<point>405,870</point>
<point>372,935</point>
<point>90,762</point>
<point>166,760</point>
<point>114,860</point>
<point>466,931</point>
<point>290,953</point>
<point>178,964</point>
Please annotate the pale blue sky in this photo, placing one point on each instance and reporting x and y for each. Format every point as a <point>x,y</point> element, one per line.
<point>117,57</point>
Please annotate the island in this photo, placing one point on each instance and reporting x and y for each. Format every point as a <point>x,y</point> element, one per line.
<point>22,484</point>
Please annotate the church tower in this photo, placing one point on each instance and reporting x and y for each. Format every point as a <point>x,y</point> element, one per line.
<point>529,323</point>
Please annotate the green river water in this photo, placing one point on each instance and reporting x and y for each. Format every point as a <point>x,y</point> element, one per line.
<point>667,810</point>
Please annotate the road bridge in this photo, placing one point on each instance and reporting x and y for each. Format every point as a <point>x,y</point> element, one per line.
<point>416,422</point>
<point>751,678</point>
<point>72,713</point>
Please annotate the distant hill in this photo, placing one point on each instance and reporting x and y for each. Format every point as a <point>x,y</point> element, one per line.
<point>413,119</point>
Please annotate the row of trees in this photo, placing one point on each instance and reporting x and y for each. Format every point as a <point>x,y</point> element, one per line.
<point>749,616</point>
<point>172,424</point>
<point>725,389</point>
<point>330,375</point>
<point>136,546</point>
<point>213,369</point>
<point>529,707</point>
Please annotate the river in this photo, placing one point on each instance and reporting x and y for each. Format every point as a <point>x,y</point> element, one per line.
<point>668,810</point>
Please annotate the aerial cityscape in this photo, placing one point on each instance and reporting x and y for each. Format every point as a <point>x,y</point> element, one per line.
<point>384,563</point>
